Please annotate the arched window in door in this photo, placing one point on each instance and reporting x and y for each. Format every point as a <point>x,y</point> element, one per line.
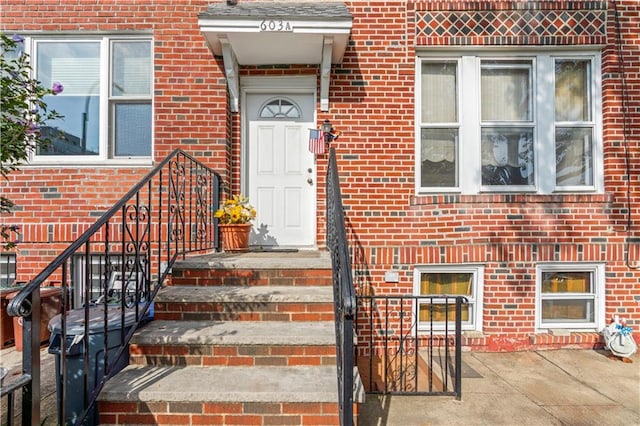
<point>280,108</point>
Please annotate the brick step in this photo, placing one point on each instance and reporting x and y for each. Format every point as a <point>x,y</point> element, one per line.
<point>197,343</point>
<point>242,303</point>
<point>221,395</point>
<point>304,268</point>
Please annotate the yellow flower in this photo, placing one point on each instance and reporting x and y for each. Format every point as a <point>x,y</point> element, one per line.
<point>235,210</point>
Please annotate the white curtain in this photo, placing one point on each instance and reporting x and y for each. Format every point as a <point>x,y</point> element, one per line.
<point>572,92</point>
<point>506,92</point>
<point>439,92</point>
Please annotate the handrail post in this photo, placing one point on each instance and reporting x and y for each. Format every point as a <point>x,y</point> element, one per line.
<point>347,410</point>
<point>31,361</point>
<point>458,348</point>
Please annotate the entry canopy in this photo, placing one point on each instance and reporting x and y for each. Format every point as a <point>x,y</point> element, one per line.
<point>275,33</point>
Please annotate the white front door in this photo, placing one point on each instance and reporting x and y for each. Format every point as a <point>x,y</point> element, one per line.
<point>281,171</point>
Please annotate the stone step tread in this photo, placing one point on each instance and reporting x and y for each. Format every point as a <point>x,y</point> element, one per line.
<point>249,294</point>
<point>223,384</point>
<point>270,259</point>
<point>161,332</point>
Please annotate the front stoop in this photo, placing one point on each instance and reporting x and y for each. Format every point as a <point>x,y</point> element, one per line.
<point>238,339</point>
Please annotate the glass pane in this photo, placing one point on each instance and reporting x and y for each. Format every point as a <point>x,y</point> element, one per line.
<point>77,67</point>
<point>506,91</point>
<point>450,283</point>
<point>439,92</point>
<point>7,270</point>
<point>280,108</point>
<point>574,158</point>
<point>507,156</point>
<point>131,68</point>
<point>438,312</point>
<point>567,311</point>
<point>572,90</point>
<point>438,158</point>
<point>133,130</point>
<point>566,282</point>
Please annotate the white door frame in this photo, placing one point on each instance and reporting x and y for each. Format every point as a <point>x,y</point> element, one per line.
<point>277,85</point>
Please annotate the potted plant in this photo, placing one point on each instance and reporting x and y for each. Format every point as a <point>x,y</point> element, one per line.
<point>235,216</point>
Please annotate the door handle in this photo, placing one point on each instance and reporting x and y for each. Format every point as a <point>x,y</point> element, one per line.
<point>310,170</point>
<point>310,181</point>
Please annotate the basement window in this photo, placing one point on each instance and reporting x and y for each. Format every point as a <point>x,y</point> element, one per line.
<point>570,296</point>
<point>450,280</point>
<point>93,274</point>
<point>7,270</point>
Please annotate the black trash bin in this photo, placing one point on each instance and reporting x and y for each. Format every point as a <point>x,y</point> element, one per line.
<point>75,350</point>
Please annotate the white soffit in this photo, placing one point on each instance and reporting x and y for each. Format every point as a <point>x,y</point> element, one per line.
<point>275,33</point>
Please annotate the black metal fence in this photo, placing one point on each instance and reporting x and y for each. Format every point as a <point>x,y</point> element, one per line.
<point>344,296</point>
<point>108,278</point>
<point>410,345</point>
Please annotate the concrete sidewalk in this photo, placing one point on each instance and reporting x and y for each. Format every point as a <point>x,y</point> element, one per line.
<point>559,387</point>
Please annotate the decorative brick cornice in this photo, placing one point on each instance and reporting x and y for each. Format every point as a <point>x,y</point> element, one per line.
<point>511,23</point>
<point>475,5</point>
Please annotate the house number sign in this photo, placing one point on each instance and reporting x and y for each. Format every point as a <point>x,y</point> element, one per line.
<point>275,25</point>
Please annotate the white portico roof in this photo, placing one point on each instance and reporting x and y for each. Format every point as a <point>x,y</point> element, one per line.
<point>274,33</point>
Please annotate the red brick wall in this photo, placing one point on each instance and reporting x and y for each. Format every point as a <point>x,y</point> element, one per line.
<point>372,104</point>
<point>392,229</point>
<point>56,204</point>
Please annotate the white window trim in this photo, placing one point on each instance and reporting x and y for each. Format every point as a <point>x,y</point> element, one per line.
<point>598,271</point>
<point>103,159</point>
<point>476,299</point>
<point>9,259</point>
<point>468,152</point>
<point>98,261</point>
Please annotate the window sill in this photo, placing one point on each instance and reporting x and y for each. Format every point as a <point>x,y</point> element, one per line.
<point>125,162</point>
<point>586,339</point>
<point>424,199</point>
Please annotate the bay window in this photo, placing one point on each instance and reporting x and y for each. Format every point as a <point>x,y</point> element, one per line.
<point>492,122</point>
<point>106,102</point>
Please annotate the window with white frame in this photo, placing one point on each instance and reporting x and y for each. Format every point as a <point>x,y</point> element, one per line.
<point>106,102</point>
<point>506,122</point>
<point>97,274</point>
<point>450,280</point>
<point>570,296</point>
<point>7,270</point>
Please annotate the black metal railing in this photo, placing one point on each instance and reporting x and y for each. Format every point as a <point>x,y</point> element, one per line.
<point>109,277</point>
<point>344,296</point>
<point>410,345</point>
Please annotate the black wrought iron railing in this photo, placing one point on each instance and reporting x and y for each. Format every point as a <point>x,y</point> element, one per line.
<point>410,345</point>
<point>108,278</point>
<point>344,296</point>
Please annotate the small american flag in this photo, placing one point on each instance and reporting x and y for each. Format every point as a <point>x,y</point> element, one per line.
<point>316,141</point>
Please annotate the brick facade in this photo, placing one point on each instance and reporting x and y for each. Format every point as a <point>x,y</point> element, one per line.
<point>373,103</point>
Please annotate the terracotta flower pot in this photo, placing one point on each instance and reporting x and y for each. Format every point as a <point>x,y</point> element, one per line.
<point>235,236</point>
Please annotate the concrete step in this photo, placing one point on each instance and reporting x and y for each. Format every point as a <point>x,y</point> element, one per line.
<point>219,395</point>
<point>234,343</point>
<point>244,303</point>
<point>297,268</point>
